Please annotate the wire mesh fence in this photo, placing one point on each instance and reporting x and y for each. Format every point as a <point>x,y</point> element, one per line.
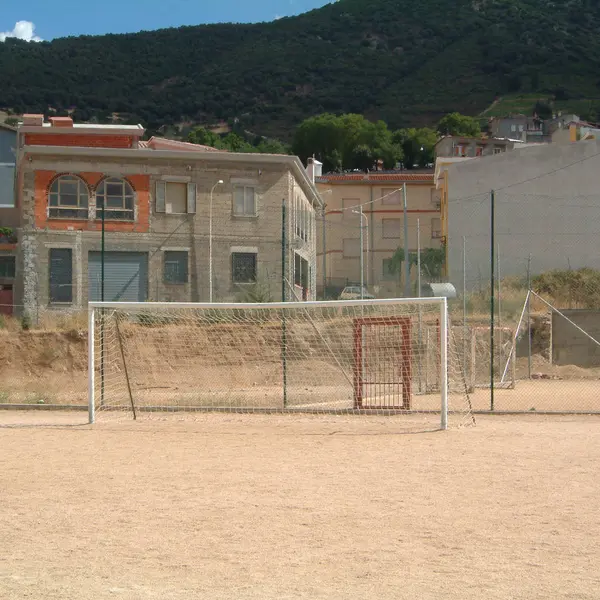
<point>540,352</point>
<point>533,281</point>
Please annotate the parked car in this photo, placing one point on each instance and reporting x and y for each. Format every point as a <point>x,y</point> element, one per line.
<point>352,292</point>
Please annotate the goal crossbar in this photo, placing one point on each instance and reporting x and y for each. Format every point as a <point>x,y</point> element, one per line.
<point>436,306</point>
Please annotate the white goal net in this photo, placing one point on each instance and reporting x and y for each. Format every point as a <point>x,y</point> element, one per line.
<point>354,357</point>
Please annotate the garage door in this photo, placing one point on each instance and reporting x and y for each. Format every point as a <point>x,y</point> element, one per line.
<point>125,276</point>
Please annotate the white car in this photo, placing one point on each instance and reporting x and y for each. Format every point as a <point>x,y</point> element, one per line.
<point>352,292</point>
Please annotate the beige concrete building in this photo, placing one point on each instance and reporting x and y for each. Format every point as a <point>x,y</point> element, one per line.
<point>380,195</point>
<point>158,223</point>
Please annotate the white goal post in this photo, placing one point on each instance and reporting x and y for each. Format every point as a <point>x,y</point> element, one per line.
<point>353,357</point>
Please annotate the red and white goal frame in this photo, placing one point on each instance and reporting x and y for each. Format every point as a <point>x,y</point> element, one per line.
<point>370,346</point>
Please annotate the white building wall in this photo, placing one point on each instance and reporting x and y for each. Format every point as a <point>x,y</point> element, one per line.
<point>547,204</point>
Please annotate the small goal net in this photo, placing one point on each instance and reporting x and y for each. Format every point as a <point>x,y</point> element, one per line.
<point>353,357</point>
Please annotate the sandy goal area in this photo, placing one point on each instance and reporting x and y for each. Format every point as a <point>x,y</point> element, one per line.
<point>281,507</point>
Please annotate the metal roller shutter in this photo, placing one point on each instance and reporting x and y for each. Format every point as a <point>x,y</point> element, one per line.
<point>125,276</point>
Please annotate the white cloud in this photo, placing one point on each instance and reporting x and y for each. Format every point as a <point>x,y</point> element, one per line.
<point>23,30</point>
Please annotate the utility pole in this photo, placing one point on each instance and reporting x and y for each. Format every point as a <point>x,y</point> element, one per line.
<point>418,258</point>
<point>406,256</point>
<point>362,266</point>
<point>324,251</point>
<point>529,317</point>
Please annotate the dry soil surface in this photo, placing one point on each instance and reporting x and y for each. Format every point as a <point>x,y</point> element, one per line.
<point>285,507</point>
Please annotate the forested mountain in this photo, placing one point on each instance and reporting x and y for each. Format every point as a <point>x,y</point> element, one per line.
<point>404,61</point>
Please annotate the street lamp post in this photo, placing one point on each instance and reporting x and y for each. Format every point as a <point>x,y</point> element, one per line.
<point>210,259</point>
<point>362,269</point>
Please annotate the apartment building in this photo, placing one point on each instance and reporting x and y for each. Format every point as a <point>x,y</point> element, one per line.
<point>380,196</point>
<point>165,208</point>
<point>461,147</point>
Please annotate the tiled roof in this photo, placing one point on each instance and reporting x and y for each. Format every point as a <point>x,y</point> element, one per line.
<point>376,178</point>
<point>158,143</point>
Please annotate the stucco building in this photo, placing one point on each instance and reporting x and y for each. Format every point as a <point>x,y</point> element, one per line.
<point>546,205</point>
<point>158,220</point>
<point>381,197</point>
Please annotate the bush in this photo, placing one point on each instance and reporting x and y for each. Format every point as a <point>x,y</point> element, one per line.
<point>576,289</point>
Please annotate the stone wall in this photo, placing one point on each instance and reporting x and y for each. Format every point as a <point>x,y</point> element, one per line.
<point>569,345</point>
<point>162,232</point>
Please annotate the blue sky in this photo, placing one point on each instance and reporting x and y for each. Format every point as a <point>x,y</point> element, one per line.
<point>48,20</point>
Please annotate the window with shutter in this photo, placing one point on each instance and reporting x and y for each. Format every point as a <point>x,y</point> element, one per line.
<point>191,198</point>
<point>351,247</point>
<point>391,228</point>
<point>244,201</point>
<point>160,196</point>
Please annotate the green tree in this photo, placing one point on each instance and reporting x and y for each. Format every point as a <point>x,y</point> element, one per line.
<point>457,124</point>
<point>418,146</point>
<point>205,137</point>
<point>348,141</point>
<point>432,263</point>
<point>320,136</point>
<point>235,143</point>
<point>542,109</point>
<point>271,146</point>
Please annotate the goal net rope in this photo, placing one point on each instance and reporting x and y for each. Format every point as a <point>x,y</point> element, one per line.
<point>392,357</point>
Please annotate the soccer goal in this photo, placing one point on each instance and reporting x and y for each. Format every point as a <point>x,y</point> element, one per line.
<point>355,357</point>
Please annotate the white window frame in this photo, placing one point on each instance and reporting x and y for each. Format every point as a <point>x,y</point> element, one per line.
<point>83,191</point>
<point>127,193</point>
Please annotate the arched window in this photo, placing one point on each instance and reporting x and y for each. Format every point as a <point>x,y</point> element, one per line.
<point>118,197</point>
<point>68,198</point>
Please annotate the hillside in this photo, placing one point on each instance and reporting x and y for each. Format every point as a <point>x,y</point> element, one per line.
<point>403,61</point>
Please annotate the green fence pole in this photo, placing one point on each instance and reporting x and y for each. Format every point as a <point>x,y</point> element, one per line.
<point>283,299</point>
<point>492,291</point>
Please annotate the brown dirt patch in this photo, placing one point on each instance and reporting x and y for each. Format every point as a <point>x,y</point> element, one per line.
<point>264,507</point>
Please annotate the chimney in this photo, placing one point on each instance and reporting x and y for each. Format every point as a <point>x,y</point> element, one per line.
<point>314,169</point>
<point>61,121</point>
<point>33,120</point>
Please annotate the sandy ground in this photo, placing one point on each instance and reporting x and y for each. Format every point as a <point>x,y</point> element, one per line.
<point>285,507</point>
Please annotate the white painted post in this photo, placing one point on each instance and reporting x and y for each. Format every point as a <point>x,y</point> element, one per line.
<point>91,363</point>
<point>444,362</point>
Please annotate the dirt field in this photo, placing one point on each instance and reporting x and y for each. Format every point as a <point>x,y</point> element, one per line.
<point>285,507</point>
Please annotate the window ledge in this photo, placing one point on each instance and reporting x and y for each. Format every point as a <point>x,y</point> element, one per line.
<point>68,219</point>
<point>96,220</point>
<point>244,216</point>
<point>175,283</point>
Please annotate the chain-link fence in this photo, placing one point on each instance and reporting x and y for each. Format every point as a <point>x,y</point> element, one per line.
<point>535,341</point>
<point>531,346</point>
